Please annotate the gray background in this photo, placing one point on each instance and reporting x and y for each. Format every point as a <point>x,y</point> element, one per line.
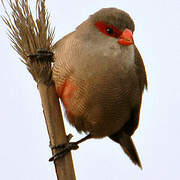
<point>24,150</point>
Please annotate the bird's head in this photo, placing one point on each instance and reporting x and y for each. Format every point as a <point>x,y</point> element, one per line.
<point>110,24</point>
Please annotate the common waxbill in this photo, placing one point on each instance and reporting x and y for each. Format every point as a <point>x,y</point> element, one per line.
<point>100,77</point>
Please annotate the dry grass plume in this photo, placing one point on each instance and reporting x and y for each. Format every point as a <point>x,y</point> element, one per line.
<point>31,37</point>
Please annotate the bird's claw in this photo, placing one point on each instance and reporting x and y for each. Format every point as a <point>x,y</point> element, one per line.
<point>68,137</point>
<point>63,150</point>
<point>41,54</point>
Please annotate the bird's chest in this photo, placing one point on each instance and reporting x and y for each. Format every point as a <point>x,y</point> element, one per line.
<point>93,97</point>
<point>83,91</point>
<point>97,88</point>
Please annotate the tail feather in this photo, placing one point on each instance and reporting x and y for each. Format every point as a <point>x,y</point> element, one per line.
<point>128,146</point>
<point>130,149</point>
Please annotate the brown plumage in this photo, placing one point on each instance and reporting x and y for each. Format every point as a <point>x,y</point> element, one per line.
<point>100,79</point>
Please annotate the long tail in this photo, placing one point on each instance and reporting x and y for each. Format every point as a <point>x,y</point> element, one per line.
<point>128,146</point>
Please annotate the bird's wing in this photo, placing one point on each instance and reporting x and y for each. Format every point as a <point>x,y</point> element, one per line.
<point>140,69</point>
<point>123,136</point>
<point>132,124</point>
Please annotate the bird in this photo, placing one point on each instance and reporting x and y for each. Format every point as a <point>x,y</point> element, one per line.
<point>100,77</point>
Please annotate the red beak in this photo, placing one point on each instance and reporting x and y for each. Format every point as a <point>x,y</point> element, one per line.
<point>126,38</point>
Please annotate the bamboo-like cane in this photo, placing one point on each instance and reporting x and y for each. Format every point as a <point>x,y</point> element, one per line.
<point>28,38</point>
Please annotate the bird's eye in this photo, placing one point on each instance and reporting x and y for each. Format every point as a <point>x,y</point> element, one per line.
<point>110,31</point>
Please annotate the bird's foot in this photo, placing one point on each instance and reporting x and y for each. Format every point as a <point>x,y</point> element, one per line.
<point>63,149</point>
<point>41,54</point>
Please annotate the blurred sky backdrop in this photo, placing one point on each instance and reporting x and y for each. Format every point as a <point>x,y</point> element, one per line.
<point>24,140</point>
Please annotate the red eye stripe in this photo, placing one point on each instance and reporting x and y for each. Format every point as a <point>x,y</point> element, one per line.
<point>103,28</point>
